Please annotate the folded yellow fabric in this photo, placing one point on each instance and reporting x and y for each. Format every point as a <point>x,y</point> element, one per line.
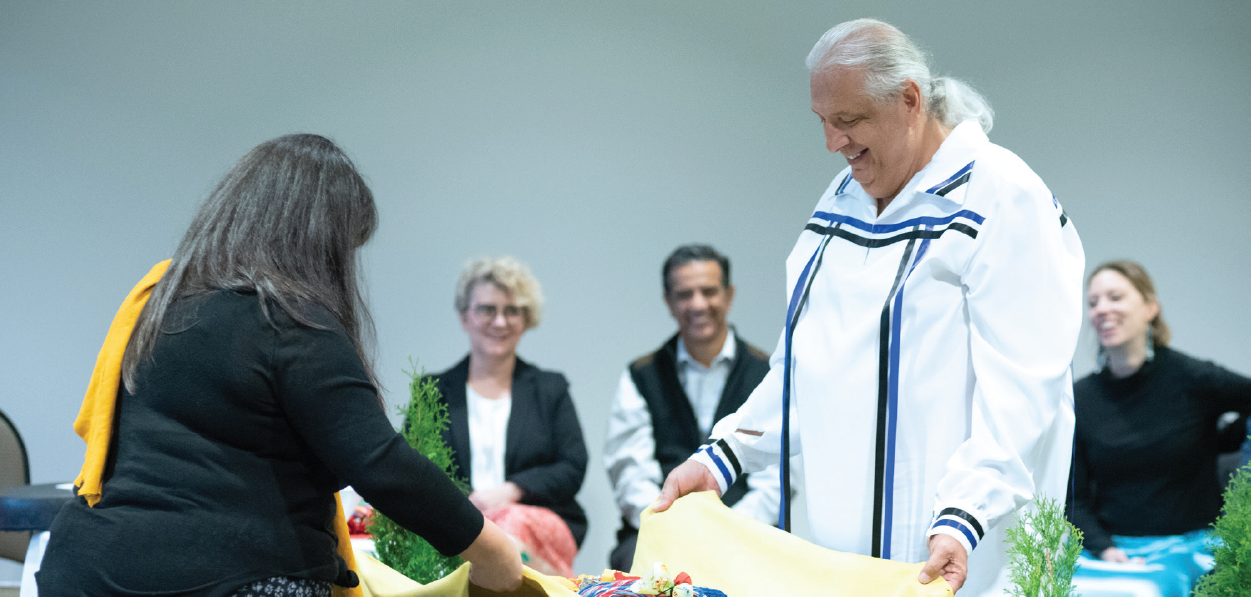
<point>345,548</point>
<point>379,580</point>
<point>739,556</point>
<point>95,418</point>
<point>720,549</point>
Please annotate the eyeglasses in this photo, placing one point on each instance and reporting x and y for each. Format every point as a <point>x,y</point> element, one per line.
<point>488,312</point>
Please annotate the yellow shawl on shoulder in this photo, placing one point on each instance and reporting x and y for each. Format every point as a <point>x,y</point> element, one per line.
<point>95,419</point>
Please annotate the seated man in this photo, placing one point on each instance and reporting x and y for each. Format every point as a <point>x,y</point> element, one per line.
<point>668,400</point>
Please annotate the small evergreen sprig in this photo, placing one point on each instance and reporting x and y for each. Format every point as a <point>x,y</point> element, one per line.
<point>425,419</point>
<point>1232,543</point>
<point>1042,552</point>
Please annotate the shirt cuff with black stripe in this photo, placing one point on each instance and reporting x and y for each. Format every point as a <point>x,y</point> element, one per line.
<point>721,461</point>
<point>959,524</point>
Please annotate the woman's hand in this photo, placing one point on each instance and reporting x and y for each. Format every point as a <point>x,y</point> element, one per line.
<point>1115,555</point>
<point>495,560</point>
<point>496,497</point>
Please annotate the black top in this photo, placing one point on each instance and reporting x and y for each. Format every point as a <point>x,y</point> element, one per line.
<point>674,425</point>
<point>1146,447</point>
<point>227,457</point>
<point>544,453</point>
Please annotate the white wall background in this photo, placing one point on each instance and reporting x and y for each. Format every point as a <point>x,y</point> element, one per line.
<point>588,139</point>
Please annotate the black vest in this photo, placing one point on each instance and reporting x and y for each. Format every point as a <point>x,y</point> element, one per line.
<point>674,425</point>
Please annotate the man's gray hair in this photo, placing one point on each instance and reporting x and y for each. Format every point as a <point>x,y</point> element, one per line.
<point>888,59</point>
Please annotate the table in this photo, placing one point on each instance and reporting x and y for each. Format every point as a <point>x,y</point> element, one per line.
<point>31,507</point>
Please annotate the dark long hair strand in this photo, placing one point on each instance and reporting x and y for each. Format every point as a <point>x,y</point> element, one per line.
<point>284,223</point>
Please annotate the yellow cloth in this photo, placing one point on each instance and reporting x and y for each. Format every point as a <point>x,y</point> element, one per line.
<point>345,548</point>
<point>95,418</point>
<point>379,580</point>
<point>720,549</point>
<point>728,551</point>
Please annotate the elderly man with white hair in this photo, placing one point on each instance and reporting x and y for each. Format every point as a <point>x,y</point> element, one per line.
<point>934,306</point>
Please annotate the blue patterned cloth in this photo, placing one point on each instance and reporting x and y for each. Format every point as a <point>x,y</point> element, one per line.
<point>621,588</point>
<point>1173,566</point>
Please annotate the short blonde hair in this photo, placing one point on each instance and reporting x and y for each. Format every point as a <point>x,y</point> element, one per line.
<point>510,275</point>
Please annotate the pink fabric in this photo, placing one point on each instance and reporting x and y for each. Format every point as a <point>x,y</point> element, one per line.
<point>541,532</point>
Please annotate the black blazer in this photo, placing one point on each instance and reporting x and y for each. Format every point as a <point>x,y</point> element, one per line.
<point>544,453</point>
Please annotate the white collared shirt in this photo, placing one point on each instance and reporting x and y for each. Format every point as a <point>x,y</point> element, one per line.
<point>704,385</point>
<point>488,431</point>
<point>630,448</point>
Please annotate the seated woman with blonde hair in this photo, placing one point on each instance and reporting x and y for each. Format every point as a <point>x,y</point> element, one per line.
<point>513,426</point>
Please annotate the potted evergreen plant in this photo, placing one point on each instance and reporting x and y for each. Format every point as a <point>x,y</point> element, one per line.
<point>402,550</point>
<point>1042,552</point>
<point>1232,542</point>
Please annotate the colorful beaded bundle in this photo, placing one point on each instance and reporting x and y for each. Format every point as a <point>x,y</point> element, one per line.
<point>658,582</point>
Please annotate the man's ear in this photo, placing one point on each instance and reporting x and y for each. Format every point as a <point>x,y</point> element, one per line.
<point>912,99</point>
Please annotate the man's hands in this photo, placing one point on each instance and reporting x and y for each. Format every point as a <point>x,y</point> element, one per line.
<point>947,559</point>
<point>689,477</point>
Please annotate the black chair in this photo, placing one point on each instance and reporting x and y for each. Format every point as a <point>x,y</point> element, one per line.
<point>1231,431</point>
<point>14,472</point>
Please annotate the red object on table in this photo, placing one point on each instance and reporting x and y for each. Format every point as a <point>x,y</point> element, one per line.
<point>358,522</point>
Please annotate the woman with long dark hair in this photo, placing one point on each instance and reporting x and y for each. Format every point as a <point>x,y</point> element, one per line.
<point>248,398</point>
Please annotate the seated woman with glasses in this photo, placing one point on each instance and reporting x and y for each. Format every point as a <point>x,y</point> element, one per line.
<point>513,426</point>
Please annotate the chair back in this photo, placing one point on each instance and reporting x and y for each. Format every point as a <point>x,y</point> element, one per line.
<point>14,467</point>
<point>14,472</point>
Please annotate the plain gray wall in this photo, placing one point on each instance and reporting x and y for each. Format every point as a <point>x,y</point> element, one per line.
<point>587,139</point>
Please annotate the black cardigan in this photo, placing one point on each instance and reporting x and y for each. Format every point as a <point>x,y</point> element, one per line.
<point>227,456</point>
<point>544,453</point>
